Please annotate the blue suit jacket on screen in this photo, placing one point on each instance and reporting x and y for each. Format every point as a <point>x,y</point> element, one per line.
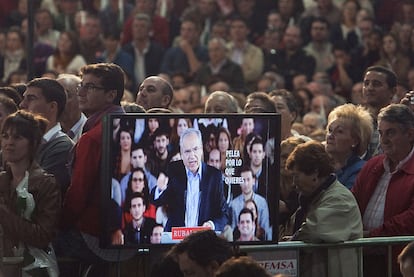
<point>212,205</point>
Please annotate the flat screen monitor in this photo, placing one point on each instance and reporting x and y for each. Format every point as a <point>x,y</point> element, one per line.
<point>168,175</point>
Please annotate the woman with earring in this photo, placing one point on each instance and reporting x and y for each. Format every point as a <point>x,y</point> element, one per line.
<point>328,212</point>
<point>349,131</point>
<point>29,198</point>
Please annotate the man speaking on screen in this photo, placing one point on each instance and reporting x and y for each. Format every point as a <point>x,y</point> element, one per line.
<point>194,192</point>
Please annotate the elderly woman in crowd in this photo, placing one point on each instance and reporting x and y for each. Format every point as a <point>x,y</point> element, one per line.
<point>29,198</point>
<point>328,212</point>
<point>349,132</point>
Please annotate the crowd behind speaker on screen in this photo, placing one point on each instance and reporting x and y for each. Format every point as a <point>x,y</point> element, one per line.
<point>377,41</point>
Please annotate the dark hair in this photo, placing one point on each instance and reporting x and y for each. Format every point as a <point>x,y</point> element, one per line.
<point>74,48</point>
<point>132,196</point>
<point>52,91</point>
<point>256,140</point>
<point>239,18</point>
<point>310,157</point>
<point>227,132</point>
<point>20,88</point>
<point>246,211</point>
<point>18,31</point>
<point>111,76</point>
<point>204,247</point>
<point>391,78</point>
<point>11,93</point>
<point>322,20</point>
<point>289,98</point>
<point>28,125</point>
<point>407,253</point>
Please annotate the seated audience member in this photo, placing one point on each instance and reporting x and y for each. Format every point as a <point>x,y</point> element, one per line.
<point>323,105</point>
<point>179,126</point>
<point>221,102</point>
<point>214,158</point>
<point>115,54</point>
<point>67,57</point>
<point>343,74</point>
<point>12,93</point>
<point>182,100</point>
<point>7,106</point>
<point>91,42</point>
<point>406,260</point>
<point>244,53</point>
<point>246,127</point>
<point>327,212</point>
<point>246,225</point>
<point>201,253</point>
<point>221,66</point>
<point>286,105</point>
<point>312,122</point>
<point>189,54</point>
<point>72,119</point>
<point>357,96</point>
<point>14,55</point>
<point>393,57</point>
<point>349,131</point>
<point>161,155</point>
<point>288,196</point>
<point>138,182</point>
<point>139,230</point>
<point>217,85</point>
<point>145,54</point>
<point>238,203</point>
<point>241,267</point>
<point>156,234</point>
<point>122,164</point>
<point>259,102</point>
<point>138,160</point>
<point>270,81</point>
<point>259,231</point>
<point>292,60</point>
<point>29,212</point>
<point>384,188</point>
<point>194,192</point>
<point>259,165</point>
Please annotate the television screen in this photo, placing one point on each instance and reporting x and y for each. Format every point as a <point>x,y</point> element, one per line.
<point>167,175</point>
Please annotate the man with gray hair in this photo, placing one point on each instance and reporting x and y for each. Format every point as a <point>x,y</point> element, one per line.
<point>220,67</point>
<point>384,187</point>
<point>194,192</point>
<point>72,119</point>
<point>221,102</point>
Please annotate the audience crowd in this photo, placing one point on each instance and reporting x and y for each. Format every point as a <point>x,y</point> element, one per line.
<point>339,72</point>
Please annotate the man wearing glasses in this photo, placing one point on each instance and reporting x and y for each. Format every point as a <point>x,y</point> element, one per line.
<point>194,192</point>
